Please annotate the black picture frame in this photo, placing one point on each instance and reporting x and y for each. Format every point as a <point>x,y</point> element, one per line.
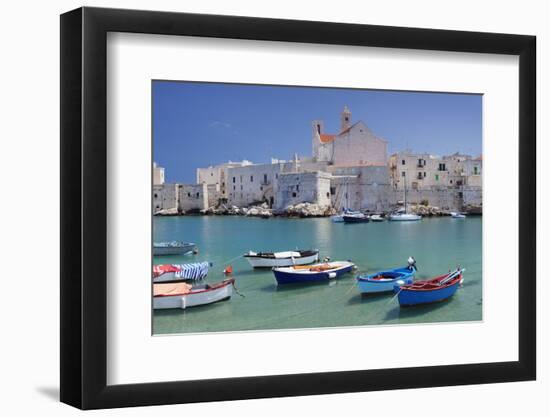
<point>84,207</point>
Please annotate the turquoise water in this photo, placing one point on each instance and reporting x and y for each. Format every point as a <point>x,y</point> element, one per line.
<point>438,244</point>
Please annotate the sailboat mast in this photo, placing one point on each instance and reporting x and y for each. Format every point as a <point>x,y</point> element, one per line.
<point>405,191</point>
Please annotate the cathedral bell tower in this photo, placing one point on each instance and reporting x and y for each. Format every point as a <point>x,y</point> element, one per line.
<point>345,119</point>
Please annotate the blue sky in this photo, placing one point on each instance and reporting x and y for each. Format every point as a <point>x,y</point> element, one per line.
<point>202,124</point>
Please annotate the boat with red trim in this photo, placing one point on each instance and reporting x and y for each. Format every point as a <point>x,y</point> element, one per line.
<point>430,290</point>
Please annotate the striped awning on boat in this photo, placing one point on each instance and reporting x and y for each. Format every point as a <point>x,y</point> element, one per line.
<point>194,271</point>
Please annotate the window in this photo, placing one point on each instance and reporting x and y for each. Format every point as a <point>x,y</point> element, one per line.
<point>261,188</point>
<point>402,173</point>
<point>211,174</point>
<point>197,195</point>
<point>233,180</point>
<point>441,167</point>
<point>328,195</point>
<point>293,194</point>
<point>188,194</point>
<point>437,177</point>
<point>156,195</point>
<point>233,188</point>
<point>402,162</point>
<point>265,178</point>
<point>276,176</point>
<point>424,174</point>
<point>241,187</point>
<point>333,190</point>
<point>298,187</point>
<point>241,178</point>
<point>251,178</point>
<point>475,170</point>
<point>451,181</point>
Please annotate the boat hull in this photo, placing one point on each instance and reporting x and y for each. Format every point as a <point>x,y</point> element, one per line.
<point>405,218</point>
<point>356,219</point>
<point>173,250</point>
<point>429,291</point>
<point>291,277</point>
<point>260,262</point>
<point>195,298</point>
<point>369,285</point>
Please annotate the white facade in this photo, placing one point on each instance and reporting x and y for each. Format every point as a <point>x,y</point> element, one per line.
<point>158,174</point>
<point>218,174</point>
<point>354,145</point>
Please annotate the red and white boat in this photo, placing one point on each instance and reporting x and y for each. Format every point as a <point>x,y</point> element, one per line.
<point>183,295</point>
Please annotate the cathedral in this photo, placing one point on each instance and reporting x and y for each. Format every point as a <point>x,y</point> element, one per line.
<point>354,145</point>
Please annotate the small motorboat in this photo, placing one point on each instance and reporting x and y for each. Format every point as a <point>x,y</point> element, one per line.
<point>430,290</point>
<point>377,218</point>
<point>384,281</point>
<point>356,218</point>
<point>180,272</point>
<point>183,295</point>
<point>173,248</point>
<point>456,215</point>
<point>312,273</point>
<point>288,258</point>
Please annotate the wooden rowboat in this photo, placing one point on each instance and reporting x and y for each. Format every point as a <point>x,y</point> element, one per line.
<point>384,281</point>
<point>183,295</point>
<point>430,290</point>
<point>312,273</point>
<point>288,258</point>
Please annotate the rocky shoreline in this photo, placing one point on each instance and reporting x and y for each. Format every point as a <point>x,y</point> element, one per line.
<point>305,210</point>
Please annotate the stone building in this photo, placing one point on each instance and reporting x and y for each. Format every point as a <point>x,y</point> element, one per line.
<point>354,145</point>
<point>449,182</point>
<point>303,187</point>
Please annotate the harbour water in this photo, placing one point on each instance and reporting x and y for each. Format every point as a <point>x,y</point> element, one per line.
<point>438,244</point>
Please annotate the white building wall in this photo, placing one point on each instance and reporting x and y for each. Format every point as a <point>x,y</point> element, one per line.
<point>193,197</point>
<point>253,183</point>
<point>359,146</point>
<point>303,187</point>
<point>165,197</point>
<point>158,174</point>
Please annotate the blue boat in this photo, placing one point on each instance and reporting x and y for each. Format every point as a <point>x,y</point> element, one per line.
<point>384,281</point>
<point>430,290</point>
<point>312,273</point>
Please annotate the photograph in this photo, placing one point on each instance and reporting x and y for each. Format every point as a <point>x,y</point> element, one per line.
<point>301,207</point>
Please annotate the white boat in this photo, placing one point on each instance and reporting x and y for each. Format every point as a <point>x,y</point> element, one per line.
<point>183,295</point>
<point>455,215</point>
<point>173,248</point>
<point>376,218</point>
<point>277,259</point>
<point>181,272</point>
<point>402,215</point>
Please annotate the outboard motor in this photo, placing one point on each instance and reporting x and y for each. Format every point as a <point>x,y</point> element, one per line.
<point>412,263</point>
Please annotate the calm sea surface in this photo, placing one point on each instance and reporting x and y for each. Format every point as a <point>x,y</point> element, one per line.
<point>438,244</point>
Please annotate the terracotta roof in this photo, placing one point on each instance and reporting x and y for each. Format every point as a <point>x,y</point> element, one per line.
<point>326,138</point>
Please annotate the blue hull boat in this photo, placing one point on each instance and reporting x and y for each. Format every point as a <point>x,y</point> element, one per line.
<point>429,291</point>
<point>384,281</point>
<point>312,273</point>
